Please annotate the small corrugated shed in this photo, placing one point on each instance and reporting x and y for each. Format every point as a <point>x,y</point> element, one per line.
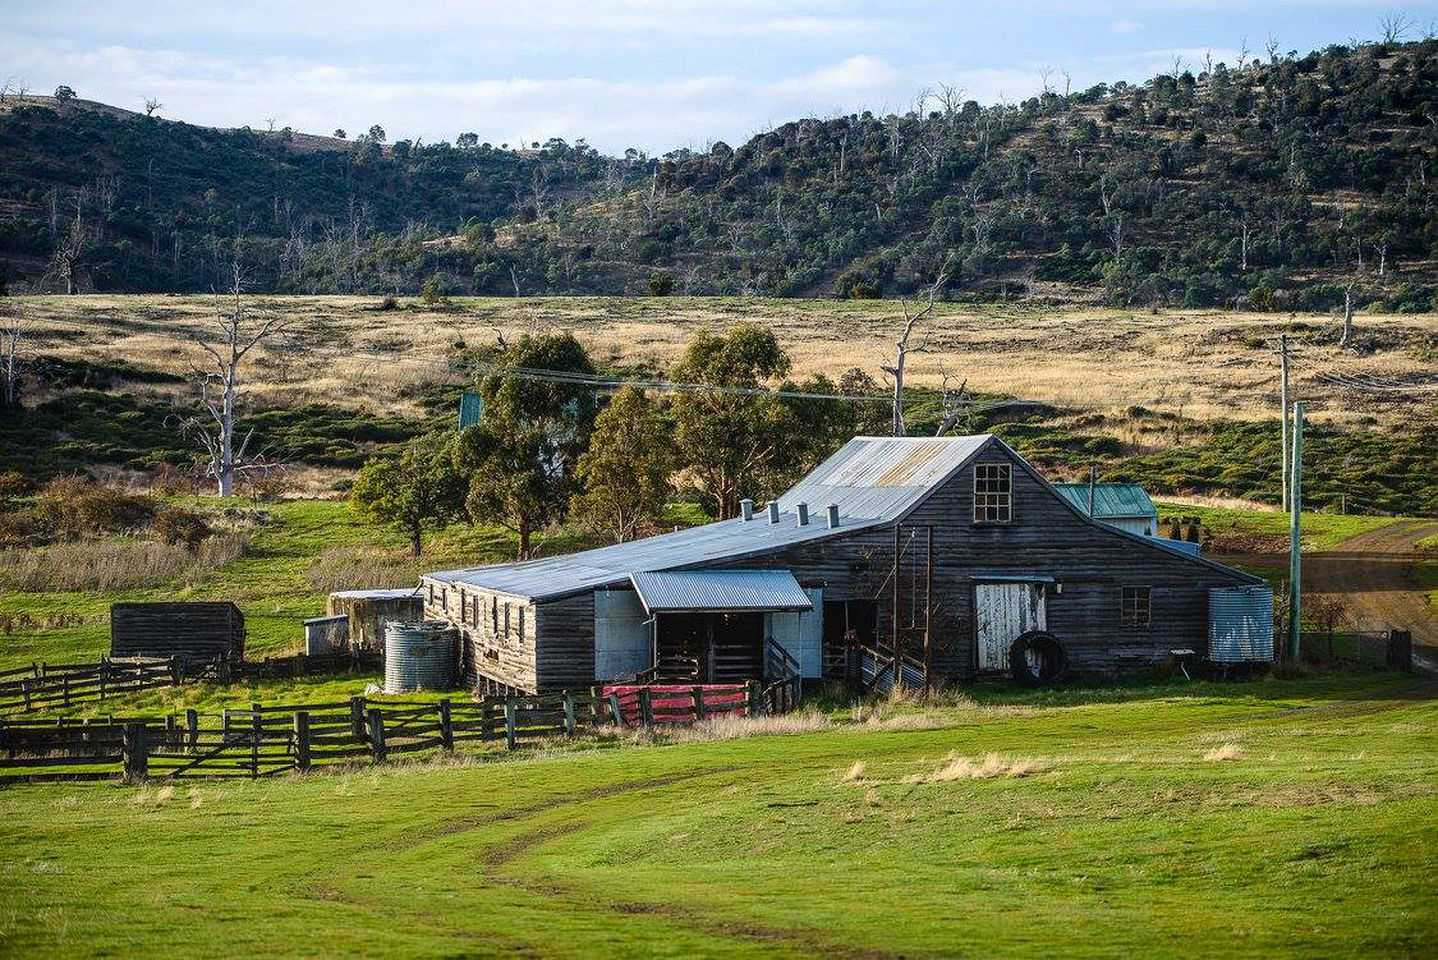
<point>714,591</point>
<point>370,611</point>
<point>193,632</point>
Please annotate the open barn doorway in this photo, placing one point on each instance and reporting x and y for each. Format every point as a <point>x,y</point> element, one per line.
<point>725,647</point>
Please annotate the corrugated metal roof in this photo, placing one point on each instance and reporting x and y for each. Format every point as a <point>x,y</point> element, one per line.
<point>1111,500</point>
<point>667,591</point>
<point>874,480</point>
<point>395,594</point>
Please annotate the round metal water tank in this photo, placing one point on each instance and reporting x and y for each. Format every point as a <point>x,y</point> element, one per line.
<point>419,656</point>
<point>1240,624</point>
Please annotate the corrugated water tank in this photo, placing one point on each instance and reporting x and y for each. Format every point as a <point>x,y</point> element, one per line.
<point>419,656</point>
<point>1240,624</point>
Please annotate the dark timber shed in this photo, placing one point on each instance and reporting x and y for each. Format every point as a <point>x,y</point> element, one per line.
<point>194,632</point>
<point>880,534</point>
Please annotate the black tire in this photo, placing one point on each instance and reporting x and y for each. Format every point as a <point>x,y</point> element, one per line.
<point>1038,659</point>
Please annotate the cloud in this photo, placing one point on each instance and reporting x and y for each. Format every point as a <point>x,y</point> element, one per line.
<point>1124,28</point>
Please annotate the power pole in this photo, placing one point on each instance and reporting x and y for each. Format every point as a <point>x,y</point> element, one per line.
<point>1283,406</point>
<point>1295,530</point>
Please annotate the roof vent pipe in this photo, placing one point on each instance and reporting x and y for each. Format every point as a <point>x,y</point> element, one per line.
<point>833,515</point>
<point>746,508</point>
<point>773,511</point>
<point>803,510</point>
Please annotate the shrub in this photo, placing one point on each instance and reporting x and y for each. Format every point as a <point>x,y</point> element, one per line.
<point>80,508</point>
<point>176,525</point>
<point>661,285</point>
<point>14,484</point>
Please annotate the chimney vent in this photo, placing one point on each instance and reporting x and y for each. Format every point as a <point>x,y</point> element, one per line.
<point>833,515</point>
<point>773,511</point>
<point>803,510</point>
<point>746,508</point>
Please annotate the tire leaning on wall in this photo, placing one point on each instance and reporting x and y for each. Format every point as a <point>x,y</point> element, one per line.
<point>1038,659</point>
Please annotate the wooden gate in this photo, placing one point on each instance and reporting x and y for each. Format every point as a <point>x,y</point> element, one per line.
<point>1003,611</point>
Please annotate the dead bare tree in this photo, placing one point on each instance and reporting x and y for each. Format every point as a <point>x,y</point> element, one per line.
<point>955,403</point>
<point>235,336</point>
<point>1394,27</point>
<point>1347,337</point>
<point>13,327</point>
<point>152,106</point>
<point>914,313</point>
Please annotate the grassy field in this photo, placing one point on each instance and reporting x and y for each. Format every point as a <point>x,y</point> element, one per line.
<point>1281,817</point>
<point>1321,531</point>
<point>1198,363</point>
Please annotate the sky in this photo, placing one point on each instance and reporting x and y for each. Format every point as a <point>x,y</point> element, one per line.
<point>649,74</point>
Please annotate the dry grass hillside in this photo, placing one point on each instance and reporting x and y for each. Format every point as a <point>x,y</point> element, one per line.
<point>1201,364</point>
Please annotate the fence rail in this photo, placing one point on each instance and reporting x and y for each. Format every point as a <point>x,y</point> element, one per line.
<point>59,686</point>
<point>261,741</point>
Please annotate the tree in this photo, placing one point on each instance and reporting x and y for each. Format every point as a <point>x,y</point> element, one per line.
<point>626,471</point>
<point>13,325</point>
<point>376,133</point>
<point>152,106</point>
<point>732,443</point>
<point>661,284</point>
<point>339,133</point>
<point>523,454</point>
<point>467,141</point>
<point>913,314</point>
<point>64,94</point>
<point>415,490</point>
<point>234,336</point>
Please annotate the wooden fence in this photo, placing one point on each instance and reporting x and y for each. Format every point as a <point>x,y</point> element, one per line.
<point>51,687</point>
<point>41,687</point>
<point>265,741</point>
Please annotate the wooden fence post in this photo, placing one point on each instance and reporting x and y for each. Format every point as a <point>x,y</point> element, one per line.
<point>302,740</point>
<point>25,692</point>
<point>135,752</point>
<point>222,671</point>
<point>357,721</point>
<point>172,731</point>
<point>756,698</point>
<point>192,728</point>
<point>486,718</point>
<point>104,674</point>
<point>568,714</point>
<point>376,734</point>
<point>177,671</point>
<point>615,713</point>
<point>225,724</point>
<point>446,728</point>
<point>699,711</point>
<point>511,720</point>
<point>65,686</point>
<point>646,708</point>
<point>256,731</point>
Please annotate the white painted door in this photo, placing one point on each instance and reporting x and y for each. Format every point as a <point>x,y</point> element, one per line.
<point>623,644</point>
<point>802,635</point>
<point>1002,612</point>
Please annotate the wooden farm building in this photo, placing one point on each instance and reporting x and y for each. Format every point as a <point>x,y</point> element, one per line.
<point>946,548</point>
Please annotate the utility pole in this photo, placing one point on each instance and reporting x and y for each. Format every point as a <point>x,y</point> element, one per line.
<point>1283,406</point>
<point>1295,530</point>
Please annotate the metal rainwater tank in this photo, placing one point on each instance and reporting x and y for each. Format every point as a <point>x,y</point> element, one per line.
<point>1240,624</point>
<point>419,656</point>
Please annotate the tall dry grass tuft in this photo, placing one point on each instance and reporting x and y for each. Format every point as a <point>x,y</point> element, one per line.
<point>990,767</point>
<point>856,772</point>
<point>732,726</point>
<point>115,564</point>
<point>350,568</point>
<point>1229,751</point>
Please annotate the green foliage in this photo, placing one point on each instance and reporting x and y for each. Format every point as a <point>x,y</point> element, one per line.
<point>661,284</point>
<point>1313,154</point>
<point>522,456</point>
<point>415,491</point>
<point>625,473</point>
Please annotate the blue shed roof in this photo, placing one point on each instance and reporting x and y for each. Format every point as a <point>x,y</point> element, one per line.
<point>1111,500</point>
<point>716,590</point>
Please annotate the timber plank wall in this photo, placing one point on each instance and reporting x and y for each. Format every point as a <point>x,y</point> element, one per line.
<point>193,632</point>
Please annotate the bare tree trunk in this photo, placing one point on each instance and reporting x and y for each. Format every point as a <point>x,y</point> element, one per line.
<point>903,346</point>
<point>1347,315</point>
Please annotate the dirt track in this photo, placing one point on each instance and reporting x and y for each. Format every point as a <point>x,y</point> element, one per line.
<point>1374,571</point>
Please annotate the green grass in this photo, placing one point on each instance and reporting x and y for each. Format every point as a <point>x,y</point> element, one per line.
<point>1123,839</point>
<point>271,583</point>
<point>1425,571</point>
<point>1321,531</point>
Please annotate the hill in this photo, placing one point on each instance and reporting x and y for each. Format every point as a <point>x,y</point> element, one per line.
<point>1275,184</point>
